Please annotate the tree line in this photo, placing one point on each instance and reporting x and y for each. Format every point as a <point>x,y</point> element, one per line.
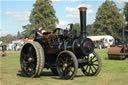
<point>109,20</point>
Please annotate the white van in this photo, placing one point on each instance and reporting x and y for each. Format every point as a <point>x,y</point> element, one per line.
<point>102,40</point>
<point>107,41</point>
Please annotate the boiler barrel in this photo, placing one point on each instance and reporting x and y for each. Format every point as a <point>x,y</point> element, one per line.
<point>80,47</point>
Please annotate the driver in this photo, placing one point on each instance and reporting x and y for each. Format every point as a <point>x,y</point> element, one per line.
<point>38,32</point>
<point>39,35</point>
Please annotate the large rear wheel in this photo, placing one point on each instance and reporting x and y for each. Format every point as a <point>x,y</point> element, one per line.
<point>32,59</point>
<point>67,65</point>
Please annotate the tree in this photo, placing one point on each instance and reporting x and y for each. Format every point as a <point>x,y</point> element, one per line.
<point>8,38</point>
<point>126,11</point>
<point>90,30</point>
<point>126,17</point>
<point>77,28</point>
<point>109,20</point>
<point>20,35</point>
<point>28,31</point>
<point>43,14</point>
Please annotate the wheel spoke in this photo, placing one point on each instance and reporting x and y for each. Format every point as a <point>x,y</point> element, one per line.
<point>70,63</point>
<point>66,71</point>
<point>86,68</point>
<point>88,58</point>
<point>70,71</point>
<point>24,56</point>
<point>65,58</point>
<point>93,58</point>
<point>95,61</point>
<point>96,64</point>
<point>94,67</point>
<point>61,61</point>
<point>91,69</point>
<point>30,51</point>
<point>34,54</point>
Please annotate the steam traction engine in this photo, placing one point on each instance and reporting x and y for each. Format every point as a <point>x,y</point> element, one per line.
<point>63,53</point>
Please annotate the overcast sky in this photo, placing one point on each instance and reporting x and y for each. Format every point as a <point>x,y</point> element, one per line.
<point>15,13</point>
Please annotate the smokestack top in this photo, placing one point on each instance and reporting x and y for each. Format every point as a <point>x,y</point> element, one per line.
<point>82,8</point>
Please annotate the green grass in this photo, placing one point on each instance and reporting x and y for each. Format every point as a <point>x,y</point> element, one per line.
<point>114,72</point>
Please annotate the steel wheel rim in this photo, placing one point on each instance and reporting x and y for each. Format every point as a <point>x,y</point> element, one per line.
<point>29,60</point>
<point>92,66</point>
<point>66,65</point>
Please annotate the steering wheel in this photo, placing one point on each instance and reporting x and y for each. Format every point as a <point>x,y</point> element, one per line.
<point>59,31</point>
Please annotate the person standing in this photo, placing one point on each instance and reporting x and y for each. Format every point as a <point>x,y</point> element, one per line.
<point>3,51</point>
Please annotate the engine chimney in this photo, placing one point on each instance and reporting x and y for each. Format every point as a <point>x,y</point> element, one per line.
<point>83,21</point>
<point>123,36</point>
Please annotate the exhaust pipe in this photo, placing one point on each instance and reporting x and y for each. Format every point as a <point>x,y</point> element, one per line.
<point>123,36</point>
<point>83,21</point>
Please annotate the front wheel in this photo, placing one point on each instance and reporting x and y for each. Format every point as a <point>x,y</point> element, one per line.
<point>93,65</point>
<point>67,65</point>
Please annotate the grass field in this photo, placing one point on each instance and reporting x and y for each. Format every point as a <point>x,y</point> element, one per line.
<point>114,72</point>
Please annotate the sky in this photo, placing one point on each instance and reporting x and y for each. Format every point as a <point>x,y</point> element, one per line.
<point>15,13</point>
